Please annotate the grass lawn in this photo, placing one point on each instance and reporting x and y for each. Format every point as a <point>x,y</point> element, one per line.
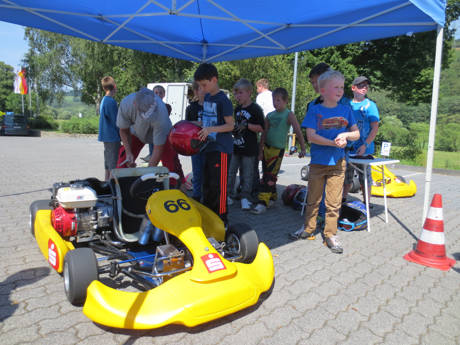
<point>441,160</point>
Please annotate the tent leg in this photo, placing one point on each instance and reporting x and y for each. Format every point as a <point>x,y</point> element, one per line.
<point>294,84</point>
<point>434,112</point>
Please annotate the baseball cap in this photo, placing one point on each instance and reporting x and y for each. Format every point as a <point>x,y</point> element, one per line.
<point>360,79</point>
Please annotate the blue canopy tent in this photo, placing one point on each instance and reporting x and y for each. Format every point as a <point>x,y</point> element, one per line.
<point>218,30</point>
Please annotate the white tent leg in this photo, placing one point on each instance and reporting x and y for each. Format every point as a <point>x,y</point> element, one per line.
<point>434,112</point>
<point>294,84</point>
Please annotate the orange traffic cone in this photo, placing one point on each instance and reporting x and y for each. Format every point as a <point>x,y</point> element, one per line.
<point>431,250</point>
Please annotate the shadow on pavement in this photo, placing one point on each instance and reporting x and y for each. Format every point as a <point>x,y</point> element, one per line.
<point>14,281</point>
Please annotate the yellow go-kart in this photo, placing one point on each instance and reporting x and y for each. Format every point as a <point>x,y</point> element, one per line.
<point>138,255</point>
<point>395,186</point>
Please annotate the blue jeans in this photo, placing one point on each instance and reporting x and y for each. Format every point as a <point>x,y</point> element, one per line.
<point>246,166</point>
<point>197,171</point>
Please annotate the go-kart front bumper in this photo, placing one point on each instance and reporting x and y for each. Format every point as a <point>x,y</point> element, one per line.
<point>182,299</point>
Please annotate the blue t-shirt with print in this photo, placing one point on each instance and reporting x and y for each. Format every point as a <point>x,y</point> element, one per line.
<point>215,108</point>
<point>328,123</point>
<point>108,130</point>
<point>364,112</point>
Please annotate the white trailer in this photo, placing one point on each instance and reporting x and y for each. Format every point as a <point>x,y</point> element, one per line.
<point>176,96</point>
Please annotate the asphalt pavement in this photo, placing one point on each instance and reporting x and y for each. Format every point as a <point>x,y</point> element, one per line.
<point>367,295</point>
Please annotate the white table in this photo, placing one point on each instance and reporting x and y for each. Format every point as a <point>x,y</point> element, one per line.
<point>373,162</point>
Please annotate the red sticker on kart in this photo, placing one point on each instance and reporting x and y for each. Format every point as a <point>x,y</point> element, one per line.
<point>53,255</point>
<point>213,262</point>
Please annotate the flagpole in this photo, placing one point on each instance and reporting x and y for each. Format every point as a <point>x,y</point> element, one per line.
<point>30,102</point>
<point>22,101</point>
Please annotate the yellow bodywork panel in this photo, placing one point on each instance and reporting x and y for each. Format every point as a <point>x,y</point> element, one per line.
<point>394,187</point>
<point>182,300</point>
<point>51,244</point>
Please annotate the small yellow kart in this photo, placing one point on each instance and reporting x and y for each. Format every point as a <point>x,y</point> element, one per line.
<point>138,255</point>
<point>395,186</point>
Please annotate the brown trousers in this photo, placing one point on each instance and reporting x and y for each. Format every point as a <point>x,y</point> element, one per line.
<point>332,176</point>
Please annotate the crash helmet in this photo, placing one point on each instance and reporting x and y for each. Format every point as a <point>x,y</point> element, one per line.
<point>184,138</point>
<point>353,216</point>
<point>300,198</point>
<point>289,193</point>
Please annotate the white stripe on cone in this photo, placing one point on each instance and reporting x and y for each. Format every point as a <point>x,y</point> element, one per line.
<point>432,237</point>
<point>435,213</point>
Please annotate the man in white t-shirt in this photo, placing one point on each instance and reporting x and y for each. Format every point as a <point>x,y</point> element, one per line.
<point>264,97</point>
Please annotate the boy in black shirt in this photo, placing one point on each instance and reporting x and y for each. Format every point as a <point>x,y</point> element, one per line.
<point>249,120</point>
<point>218,124</point>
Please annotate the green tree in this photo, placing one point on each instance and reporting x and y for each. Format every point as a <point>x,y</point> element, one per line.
<point>6,84</point>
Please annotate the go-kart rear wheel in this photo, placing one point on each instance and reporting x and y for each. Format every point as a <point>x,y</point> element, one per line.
<point>34,208</point>
<point>242,241</point>
<point>80,269</point>
<point>304,173</point>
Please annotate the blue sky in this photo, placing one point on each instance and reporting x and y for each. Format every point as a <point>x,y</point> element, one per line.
<point>14,46</point>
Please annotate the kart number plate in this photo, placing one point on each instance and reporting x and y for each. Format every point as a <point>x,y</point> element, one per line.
<point>213,262</point>
<point>53,255</point>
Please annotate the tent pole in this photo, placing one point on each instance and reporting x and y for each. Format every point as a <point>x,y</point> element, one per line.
<point>294,84</point>
<point>434,112</point>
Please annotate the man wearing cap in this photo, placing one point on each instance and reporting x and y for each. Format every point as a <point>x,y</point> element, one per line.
<point>367,118</point>
<point>143,119</point>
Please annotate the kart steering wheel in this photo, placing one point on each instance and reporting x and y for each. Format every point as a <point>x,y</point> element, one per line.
<point>144,185</point>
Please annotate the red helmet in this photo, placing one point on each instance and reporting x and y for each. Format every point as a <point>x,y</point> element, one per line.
<point>184,138</point>
<point>290,192</point>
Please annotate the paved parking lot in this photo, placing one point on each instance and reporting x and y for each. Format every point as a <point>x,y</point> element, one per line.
<point>368,295</point>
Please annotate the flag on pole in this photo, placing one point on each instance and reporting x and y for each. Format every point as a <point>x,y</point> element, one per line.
<point>23,82</point>
<point>20,83</point>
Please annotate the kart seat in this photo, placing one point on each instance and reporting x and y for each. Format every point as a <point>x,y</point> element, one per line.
<point>100,187</point>
<point>129,212</point>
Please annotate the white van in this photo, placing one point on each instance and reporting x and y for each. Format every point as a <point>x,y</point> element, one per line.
<point>176,96</point>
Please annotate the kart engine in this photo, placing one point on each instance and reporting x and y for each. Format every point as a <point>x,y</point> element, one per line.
<point>78,210</point>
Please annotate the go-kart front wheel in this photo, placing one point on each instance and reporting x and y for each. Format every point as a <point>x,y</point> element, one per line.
<point>80,269</point>
<point>241,241</point>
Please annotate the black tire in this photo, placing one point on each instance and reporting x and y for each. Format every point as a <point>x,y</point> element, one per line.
<point>400,178</point>
<point>242,241</point>
<point>34,208</point>
<point>80,269</point>
<point>355,185</point>
<point>304,173</point>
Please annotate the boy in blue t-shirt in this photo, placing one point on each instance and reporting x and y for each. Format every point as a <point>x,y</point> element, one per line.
<point>367,118</point>
<point>218,125</point>
<point>329,125</point>
<point>109,133</point>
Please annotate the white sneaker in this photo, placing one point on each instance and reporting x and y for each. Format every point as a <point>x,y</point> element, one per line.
<point>229,201</point>
<point>245,204</point>
<point>260,208</point>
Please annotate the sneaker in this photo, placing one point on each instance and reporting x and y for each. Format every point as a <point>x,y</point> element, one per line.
<point>260,208</point>
<point>334,244</point>
<point>302,234</point>
<point>245,204</point>
<point>229,201</point>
